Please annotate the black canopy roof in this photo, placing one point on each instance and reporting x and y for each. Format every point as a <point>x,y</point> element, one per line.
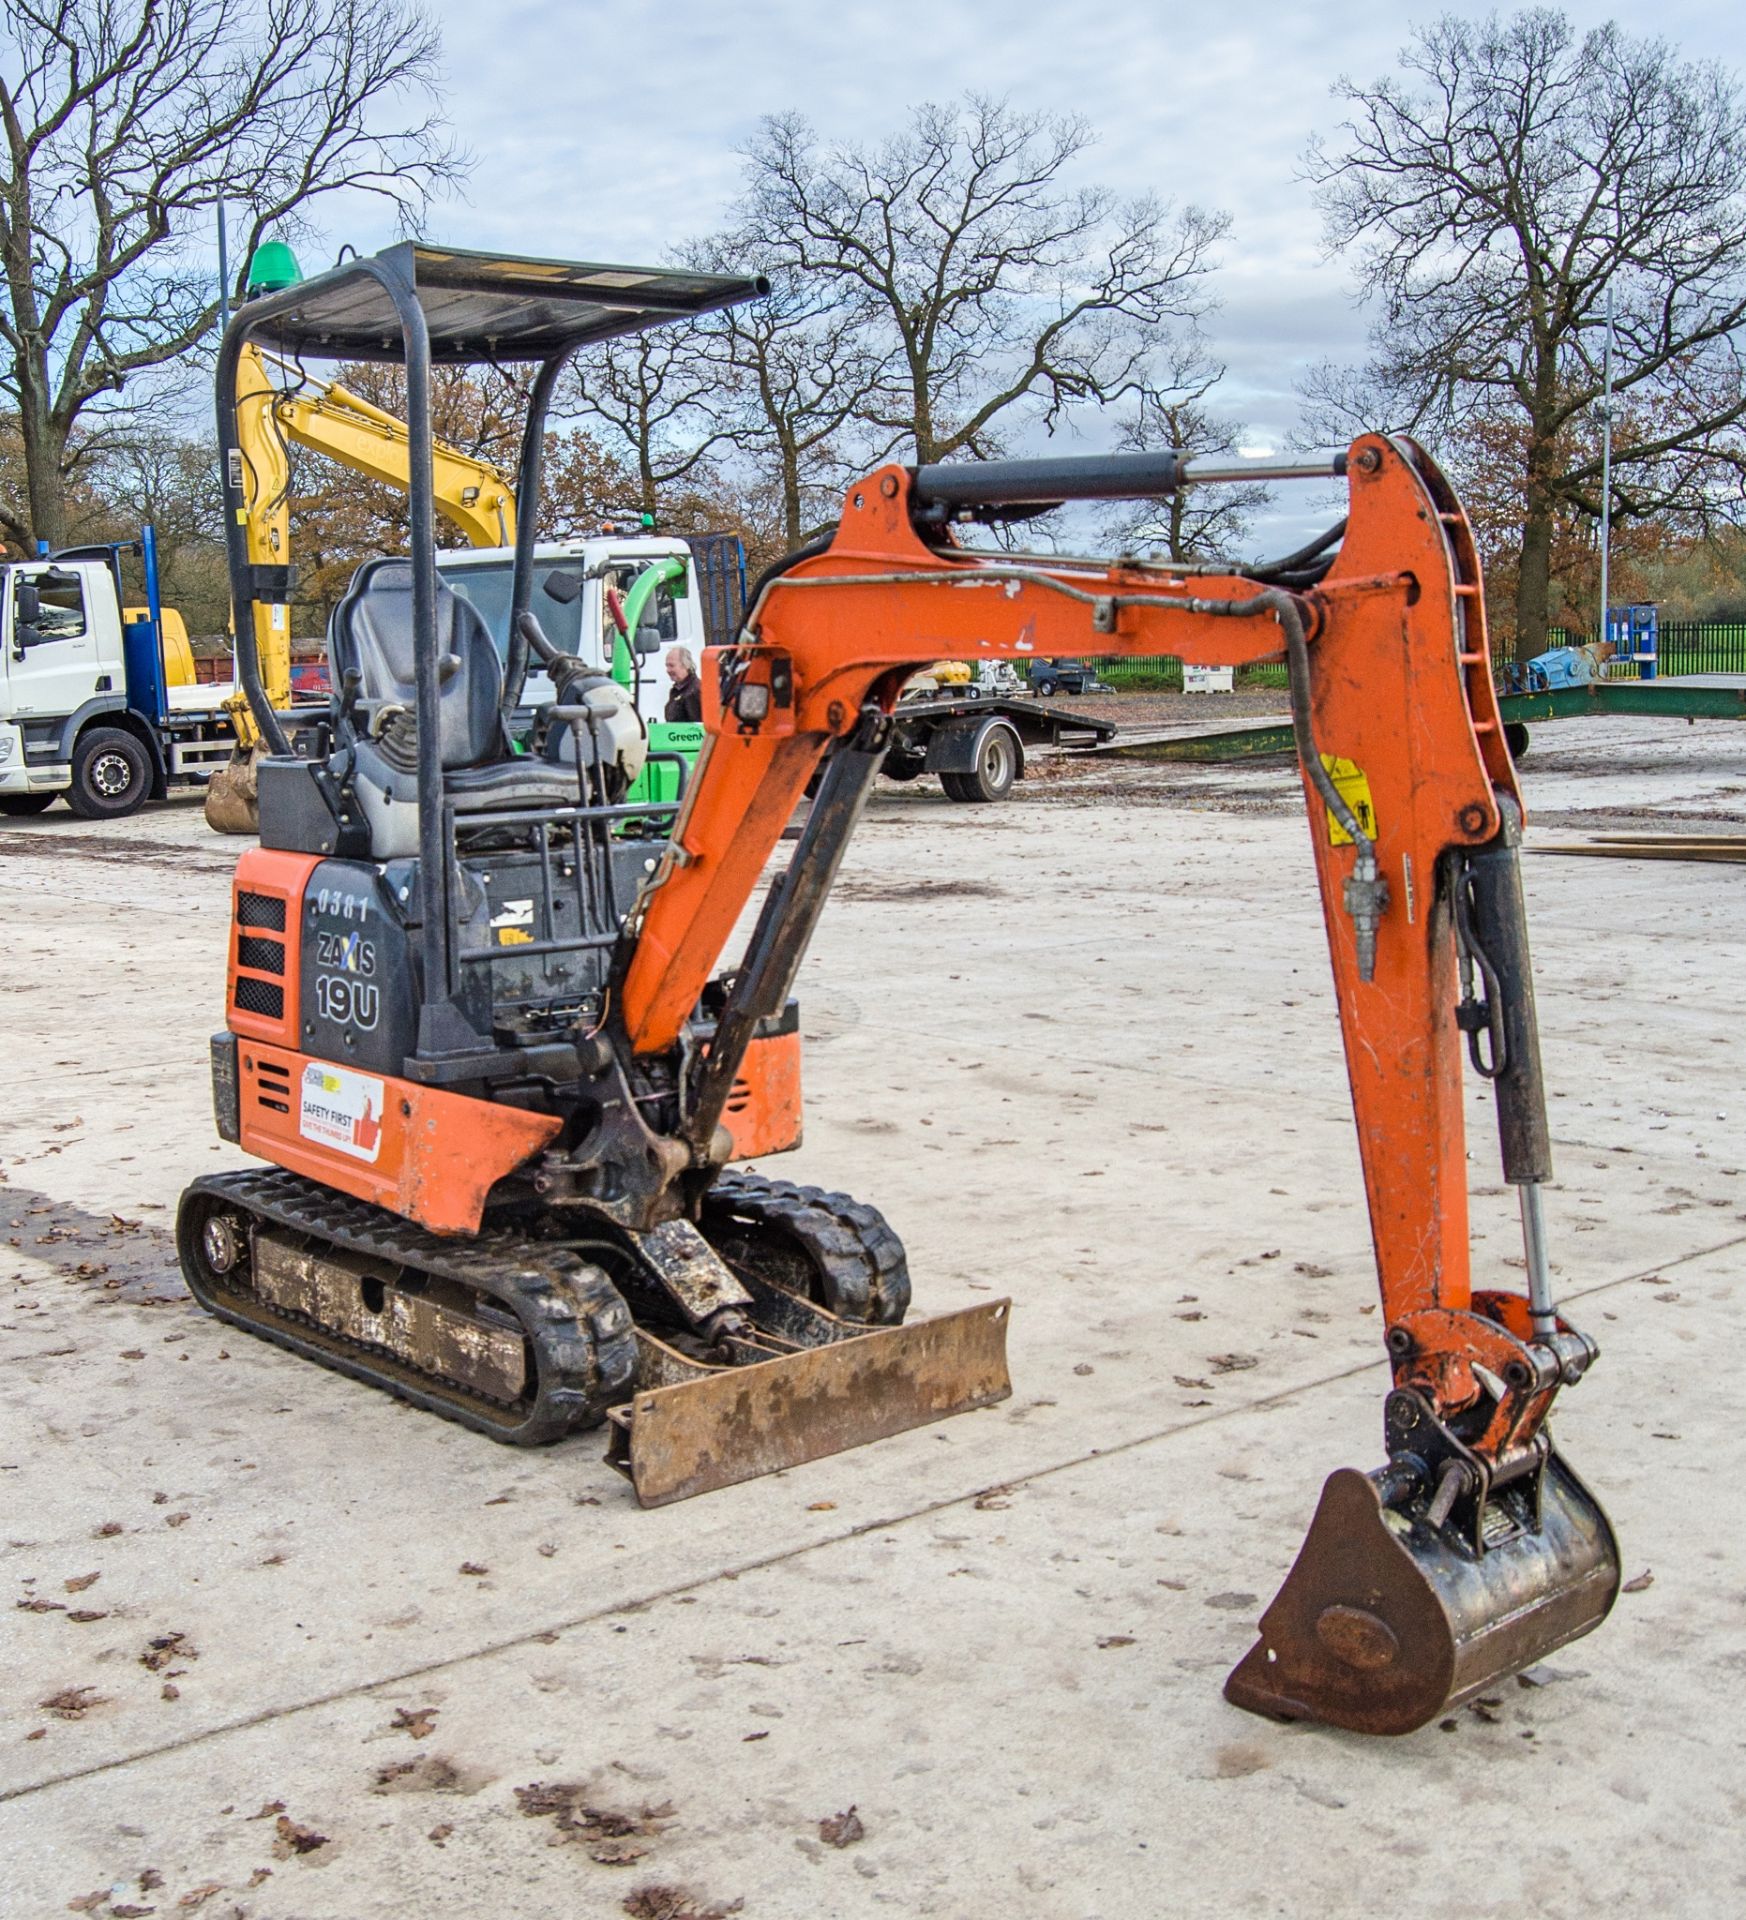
<point>480,306</point>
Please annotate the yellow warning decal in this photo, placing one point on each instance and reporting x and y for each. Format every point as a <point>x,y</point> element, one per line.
<point>1354,788</point>
<point>513,937</point>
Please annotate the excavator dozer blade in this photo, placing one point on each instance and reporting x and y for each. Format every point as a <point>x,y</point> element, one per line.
<point>734,1423</point>
<point>1385,1621</point>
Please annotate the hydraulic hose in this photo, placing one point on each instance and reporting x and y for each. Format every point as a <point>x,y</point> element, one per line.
<point>1271,572</point>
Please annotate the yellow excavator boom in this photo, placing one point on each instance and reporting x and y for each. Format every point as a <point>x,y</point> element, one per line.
<point>469,493</point>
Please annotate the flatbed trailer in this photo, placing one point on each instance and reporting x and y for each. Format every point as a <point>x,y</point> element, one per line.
<point>976,742</point>
<point>1691,697</point>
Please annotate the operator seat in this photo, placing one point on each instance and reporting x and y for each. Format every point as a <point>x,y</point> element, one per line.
<point>370,632</point>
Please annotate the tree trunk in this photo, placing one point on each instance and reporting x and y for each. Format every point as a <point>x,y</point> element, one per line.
<point>791,516</point>
<point>45,453</point>
<point>1534,580</point>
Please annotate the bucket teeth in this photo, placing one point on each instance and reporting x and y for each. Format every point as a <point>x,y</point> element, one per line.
<point>1386,1621</point>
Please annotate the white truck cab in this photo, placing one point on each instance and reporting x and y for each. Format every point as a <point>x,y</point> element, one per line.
<point>86,709</point>
<point>579,625</point>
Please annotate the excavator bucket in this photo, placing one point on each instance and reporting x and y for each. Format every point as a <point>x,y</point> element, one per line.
<point>232,805</point>
<point>1387,1621</point>
<point>692,1428</point>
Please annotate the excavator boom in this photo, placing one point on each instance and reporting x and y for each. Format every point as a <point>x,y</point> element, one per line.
<point>1414,817</point>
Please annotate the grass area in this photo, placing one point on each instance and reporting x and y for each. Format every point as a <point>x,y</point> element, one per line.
<point>1163,674</point>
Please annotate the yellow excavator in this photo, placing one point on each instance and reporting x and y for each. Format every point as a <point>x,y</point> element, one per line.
<point>272,416</point>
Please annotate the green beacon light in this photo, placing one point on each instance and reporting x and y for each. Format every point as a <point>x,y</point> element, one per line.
<point>273,268</point>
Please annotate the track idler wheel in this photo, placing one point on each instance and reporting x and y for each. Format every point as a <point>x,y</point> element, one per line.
<point>1388,1620</point>
<point>823,1246</point>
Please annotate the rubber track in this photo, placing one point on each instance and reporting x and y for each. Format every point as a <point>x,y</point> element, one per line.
<point>859,1261</point>
<point>580,1328</point>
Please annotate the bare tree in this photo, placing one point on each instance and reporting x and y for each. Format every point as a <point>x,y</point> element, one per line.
<point>660,396</point>
<point>125,123</point>
<point>802,371</point>
<point>1494,197</point>
<point>987,282</point>
<point>1171,414</point>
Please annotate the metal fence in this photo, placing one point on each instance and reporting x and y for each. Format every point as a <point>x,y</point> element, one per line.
<point>1685,646</point>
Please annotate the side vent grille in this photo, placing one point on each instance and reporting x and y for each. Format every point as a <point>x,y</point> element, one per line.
<point>260,910</point>
<point>264,997</point>
<point>265,956</point>
<point>273,1084</point>
<point>739,1097</point>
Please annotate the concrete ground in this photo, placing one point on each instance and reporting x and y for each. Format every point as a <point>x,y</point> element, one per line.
<point>285,1649</point>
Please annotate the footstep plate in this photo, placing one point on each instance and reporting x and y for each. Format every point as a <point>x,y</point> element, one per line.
<point>735,1423</point>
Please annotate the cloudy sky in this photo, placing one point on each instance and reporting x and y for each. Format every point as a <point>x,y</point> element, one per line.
<point>612,132</point>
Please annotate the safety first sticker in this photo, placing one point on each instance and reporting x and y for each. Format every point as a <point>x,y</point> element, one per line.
<point>1354,788</point>
<point>341,1110</point>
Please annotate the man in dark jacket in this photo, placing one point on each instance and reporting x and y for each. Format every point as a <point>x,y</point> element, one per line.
<point>685,702</point>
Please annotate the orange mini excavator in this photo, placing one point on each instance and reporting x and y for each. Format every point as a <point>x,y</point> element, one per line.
<point>475,1023</point>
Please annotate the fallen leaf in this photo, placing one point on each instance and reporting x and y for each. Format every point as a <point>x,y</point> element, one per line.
<point>73,1703</point>
<point>417,1721</point>
<point>295,1839</point>
<point>616,1853</point>
<point>164,1648</point>
<point>748,1738</point>
<point>673,1903</point>
<point>85,1615</point>
<point>133,1353</point>
<point>260,1874</point>
<point>822,1506</point>
<point>1183,1380</point>
<point>198,1896</point>
<point>37,1733</point>
<point>81,1583</point>
<point>1232,1362</point>
<point>127,1912</point>
<point>39,1605</point>
<point>547,1549</point>
<point>169,1691</point>
<point>473,1567</point>
<point>842,1829</point>
<point>1641,1583</point>
<point>439,1834</point>
<point>543,1797</point>
<point>150,1880</point>
<point>1082,1369</point>
<point>89,1902</point>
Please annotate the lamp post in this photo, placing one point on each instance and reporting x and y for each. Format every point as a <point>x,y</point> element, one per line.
<point>1606,420</point>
